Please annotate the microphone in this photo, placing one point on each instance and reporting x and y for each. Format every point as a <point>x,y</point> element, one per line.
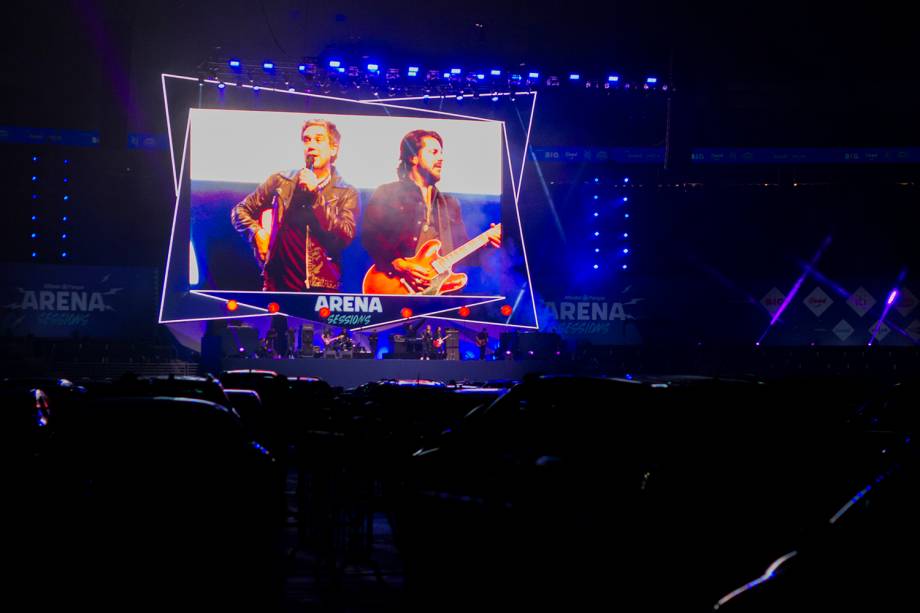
<point>310,161</point>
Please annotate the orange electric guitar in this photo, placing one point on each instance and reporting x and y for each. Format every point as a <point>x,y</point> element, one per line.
<point>440,340</point>
<point>443,279</point>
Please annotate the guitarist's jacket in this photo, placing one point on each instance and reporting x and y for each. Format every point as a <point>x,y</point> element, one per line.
<point>330,229</point>
<point>394,221</point>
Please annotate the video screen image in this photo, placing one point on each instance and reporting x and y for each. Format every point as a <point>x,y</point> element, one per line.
<point>346,203</point>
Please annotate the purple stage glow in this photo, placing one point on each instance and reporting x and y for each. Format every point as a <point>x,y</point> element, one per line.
<point>796,287</point>
<point>892,296</point>
<point>817,274</point>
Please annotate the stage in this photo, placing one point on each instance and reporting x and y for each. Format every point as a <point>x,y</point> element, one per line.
<point>350,372</point>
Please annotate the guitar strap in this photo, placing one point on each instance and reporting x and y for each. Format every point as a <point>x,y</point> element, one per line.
<point>442,218</point>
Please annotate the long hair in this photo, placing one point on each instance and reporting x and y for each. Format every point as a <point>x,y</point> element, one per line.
<point>409,147</point>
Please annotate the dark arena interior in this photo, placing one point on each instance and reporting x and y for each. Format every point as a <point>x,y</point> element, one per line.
<point>363,306</point>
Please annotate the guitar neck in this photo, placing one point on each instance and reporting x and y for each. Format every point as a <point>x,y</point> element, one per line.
<point>463,251</point>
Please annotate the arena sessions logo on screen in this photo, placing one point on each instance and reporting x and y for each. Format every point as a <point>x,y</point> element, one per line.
<point>349,310</point>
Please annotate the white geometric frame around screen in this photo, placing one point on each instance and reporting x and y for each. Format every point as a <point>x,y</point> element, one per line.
<point>261,312</point>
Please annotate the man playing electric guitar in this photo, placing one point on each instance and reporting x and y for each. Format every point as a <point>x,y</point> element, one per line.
<point>412,231</point>
<point>334,343</point>
<point>438,343</point>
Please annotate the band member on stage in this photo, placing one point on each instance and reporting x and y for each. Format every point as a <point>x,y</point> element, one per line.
<point>402,216</point>
<point>372,340</point>
<point>313,216</point>
<point>482,339</point>
<point>427,343</point>
<point>334,343</point>
<point>440,349</point>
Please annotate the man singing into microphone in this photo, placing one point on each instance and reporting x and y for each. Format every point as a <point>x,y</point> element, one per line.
<point>312,218</point>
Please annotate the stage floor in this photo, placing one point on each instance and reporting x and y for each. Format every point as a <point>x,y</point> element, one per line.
<point>347,372</point>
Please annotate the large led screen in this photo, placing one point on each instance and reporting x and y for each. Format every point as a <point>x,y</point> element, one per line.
<point>355,213</point>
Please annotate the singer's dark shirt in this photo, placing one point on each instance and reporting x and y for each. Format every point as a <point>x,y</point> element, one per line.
<point>288,270</point>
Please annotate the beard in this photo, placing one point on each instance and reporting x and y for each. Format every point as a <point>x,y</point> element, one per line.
<point>429,176</point>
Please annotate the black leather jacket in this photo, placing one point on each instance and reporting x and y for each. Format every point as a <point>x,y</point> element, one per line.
<point>336,210</point>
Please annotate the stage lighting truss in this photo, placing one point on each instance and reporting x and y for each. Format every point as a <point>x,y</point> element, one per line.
<point>341,78</point>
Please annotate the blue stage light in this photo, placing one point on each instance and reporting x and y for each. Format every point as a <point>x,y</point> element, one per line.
<point>268,65</point>
<point>34,158</point>
<point>625,234</point>
<point>597,250</point>
<point>459,97</point>
<point>533,75</point>
<point>625,266</point>
<point>34,235</point>
<point>373,67</point>
<point>341,69</point>
<point>413,68</point>
<point>625,198</point>
<point>334,63</point>
<point>66,198</point>
<point>574,76</point>
<point>596,196</point>
<point>626,215</point>
<point>34,217</point>
<point>64,218</point>
<point>221,86</point>
<point>255,88</point>
<point>34,196</point>
<point>234,63</point>
<point>67,161</point>
<point>34,178</point>
<point>63,254</point>
<point>625,179</point>
<point>66,180</point>
<point>596,213</point>
<point>625,250</point>
<point>495,72</point>
<point>302,67</point>
<point>651,80</point>
<point>597,234</point>
<point>34,255</point>
<point>613,79</point>
<point>480,76</point>
<point>595,267</point>
<point>494,98</point>
<point>446,75</point>
<point>455,71</point>
<point>64,236</point>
